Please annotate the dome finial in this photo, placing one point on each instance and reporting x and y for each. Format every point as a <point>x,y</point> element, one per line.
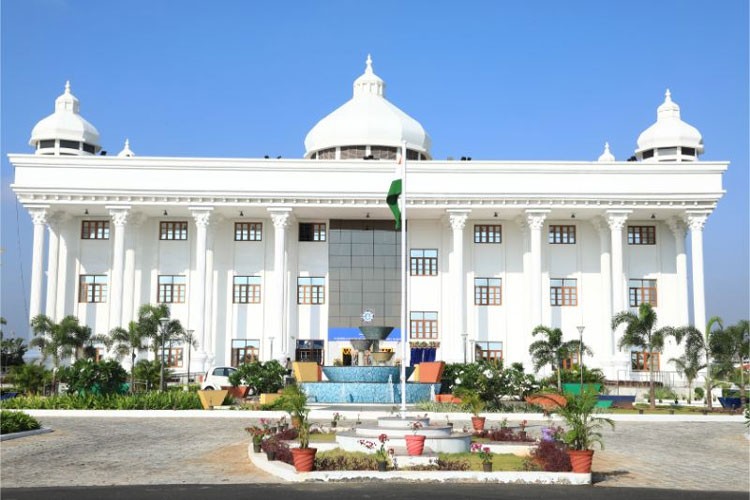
<point>67,86</point>
<point>126,151</point>
<point>668,96</point>
<point>368,62</point>
<point>607,155</point>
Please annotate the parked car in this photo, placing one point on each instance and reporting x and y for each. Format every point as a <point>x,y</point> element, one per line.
<point>216,377</point>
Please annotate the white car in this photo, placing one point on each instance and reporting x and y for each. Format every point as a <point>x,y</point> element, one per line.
<point>216,377</point>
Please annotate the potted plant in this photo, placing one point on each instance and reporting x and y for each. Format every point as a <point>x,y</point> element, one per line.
<point>382,456</point>
<point>258,433</point>
<point>415,442</point>
<point>485,455</point>
<point>522,431</point>
<point>471,401</point>
<point>583,429</point>
<point>304,456</point>
<point>294,400</point>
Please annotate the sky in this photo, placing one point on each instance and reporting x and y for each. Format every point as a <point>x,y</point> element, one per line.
<point>494,80</point>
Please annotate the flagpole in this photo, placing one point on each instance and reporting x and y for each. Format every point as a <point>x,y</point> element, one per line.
<point>404,308</point>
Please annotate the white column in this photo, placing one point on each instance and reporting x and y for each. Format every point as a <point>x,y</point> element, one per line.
<point>696,221</point>
<point>53,224</point>
<point>605,267</point>
<point>202,217</point>
<point>210,347</point>
<point>39,219</point>
<point>616,220</point>
<point>458,223</point>
<point>119,221</point>
<point>678,229</point>
<point>281,218</point>
<point>535,219</point>
<point>129,305</point>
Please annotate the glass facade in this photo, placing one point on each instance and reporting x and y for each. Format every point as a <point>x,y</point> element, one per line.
<point>364,258</point>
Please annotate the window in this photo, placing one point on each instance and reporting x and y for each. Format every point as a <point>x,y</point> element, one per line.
<point>309,350</point>
<point>172,357</point>
<point>574,359</point>
<point>488,351</point>
<point>563,292</point>
<point>562,235</point>
<point>639,360</point>
<point>69,144</point>
<point>353,152</point>
<point>642,292</point>
<point>649,153</point>
<point>248,231</point>
<point>93,288</point>
<point>424,262</point>
<point>246,290</point>
<point>173,230</point>
<point>488,291</point>
<point>484,233</point>
<point>383,152</point>
<point>171,289</point>
<point>688,151</point>
<point>311,290</point>
<point>89,148</point>
<point>312,231</point>
<point>423,325</point>
<point>244,351</point>
<point>641,235</point>
<point>48,143</point>
<point>95,230</point>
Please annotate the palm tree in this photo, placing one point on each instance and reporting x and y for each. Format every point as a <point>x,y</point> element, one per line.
<point>731,346</point>
<point>149,322</point>
<point>639,333</point>
<point>60,340</point>
<point>714,321</point>
<point>189,340</point>
<point>689,364</point>
<point>553,350</point>
<point>126,342</point>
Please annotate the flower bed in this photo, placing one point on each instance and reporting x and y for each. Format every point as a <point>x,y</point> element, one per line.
<point>17,421</point>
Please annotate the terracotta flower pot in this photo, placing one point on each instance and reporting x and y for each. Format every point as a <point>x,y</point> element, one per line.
<point>304,458</point>
<point>581,460</point>
<point>487,466</point>
<point>478,423</point>
<point>414,444</point>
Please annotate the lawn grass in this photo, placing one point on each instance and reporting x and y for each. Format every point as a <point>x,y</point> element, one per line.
<point>500,462</point>
<point>323,437</point>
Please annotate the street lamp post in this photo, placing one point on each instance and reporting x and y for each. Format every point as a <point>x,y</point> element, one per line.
<point>164,322</point>
<point>270,340</point>
<point>189,348</point>
<point>464,336</point>
<point>580,352</point>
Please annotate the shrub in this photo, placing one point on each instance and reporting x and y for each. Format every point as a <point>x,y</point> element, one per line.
<point>141,401</point>
<point>549,456</point>
<point>30,378</point>
<point>148,373</point>
<point>283,453</point>
<point>502,434</point>
<point>261,377</point>
<point>86,376</point>
<point>662,393</point>
<point>699,393</point>
<point>345,460</point>
<point>12,351</point>
<point>16,421</point>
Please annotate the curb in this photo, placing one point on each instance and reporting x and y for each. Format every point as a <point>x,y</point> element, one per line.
<point>22,434</point>
<point>287,473</point>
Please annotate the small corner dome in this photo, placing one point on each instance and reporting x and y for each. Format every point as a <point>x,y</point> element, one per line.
<point>126,151</point>
<point>669,132</point>
<point>65,129</point>
<point>607,155</point>
<point>367,119</point>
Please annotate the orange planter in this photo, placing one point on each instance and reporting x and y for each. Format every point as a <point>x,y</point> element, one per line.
<point>447,398</point>
<point>238,392</point>
<point>304,458</point>
<point>478,423</point>
<point>581,460</point>
<point>548,401</point>
<point>414,444</point>
<point>431,372</point>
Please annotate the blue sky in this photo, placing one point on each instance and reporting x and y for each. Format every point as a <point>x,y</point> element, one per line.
<point>534,80</point>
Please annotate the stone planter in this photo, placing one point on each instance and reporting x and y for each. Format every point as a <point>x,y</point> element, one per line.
<point>581,460</point>
<point>209,399</point>
<point>414,444</point>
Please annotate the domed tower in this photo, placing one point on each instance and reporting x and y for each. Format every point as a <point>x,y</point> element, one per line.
<point>670,138</point>
<point>65,132</point>
<point>367,126</point>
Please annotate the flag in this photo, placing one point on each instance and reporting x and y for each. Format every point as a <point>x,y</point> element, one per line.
<point>392,199</point>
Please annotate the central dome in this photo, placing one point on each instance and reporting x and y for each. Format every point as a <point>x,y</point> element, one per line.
<point>367,126</point>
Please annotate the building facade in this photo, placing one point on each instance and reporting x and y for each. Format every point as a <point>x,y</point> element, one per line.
<point>281,257</point>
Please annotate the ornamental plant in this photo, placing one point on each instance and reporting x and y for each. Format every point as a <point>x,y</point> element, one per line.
<point>414,426</point>
<point>381,454</point>
<point>484,452</point>
<point>583,425</point>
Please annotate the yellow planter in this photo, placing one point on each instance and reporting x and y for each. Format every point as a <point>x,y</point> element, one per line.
<point>209,399</point>
<point>306,371</point>
<point>269,398</point>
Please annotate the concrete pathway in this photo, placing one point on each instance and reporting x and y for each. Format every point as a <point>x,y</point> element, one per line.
<point>712,456</point>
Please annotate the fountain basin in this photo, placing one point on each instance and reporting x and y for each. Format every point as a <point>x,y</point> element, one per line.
<point>381,357</point>
<point>378,393</point>
<point>376,332</point>
<point>359,374</point>
<point>361,344</point>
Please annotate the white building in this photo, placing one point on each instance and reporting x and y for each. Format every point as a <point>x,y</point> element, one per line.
<point>284,255</point>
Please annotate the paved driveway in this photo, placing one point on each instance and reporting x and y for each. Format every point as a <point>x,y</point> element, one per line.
<point>105,451</point>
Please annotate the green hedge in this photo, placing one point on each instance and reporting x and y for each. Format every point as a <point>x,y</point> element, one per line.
<point>141,401</point>
<point>16,421</point>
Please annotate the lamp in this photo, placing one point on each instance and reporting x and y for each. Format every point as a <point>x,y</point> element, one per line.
<point>495,214</point>
<point>270,340</point>
<point>653,216</point>
<point>242,214</point>
<point>86,212</point>
<point>573,216</point>
<point>165,212</point>
<point>464,336</point>
<point>163,322</point>
<point>580,352</point>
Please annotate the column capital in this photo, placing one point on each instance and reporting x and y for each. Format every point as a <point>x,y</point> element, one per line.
<point>56,219</point>
<point>696,220</point>
<point>535,218</point>
<point>457,218</point>
<point>201,215</point>
<point>119,214</point>
<point>617,218</point>
<point>38,214</point>
<point>677,226</point>
<point>281,217</point>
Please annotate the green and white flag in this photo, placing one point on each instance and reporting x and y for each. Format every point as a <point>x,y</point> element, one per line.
<point>392,199</point>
